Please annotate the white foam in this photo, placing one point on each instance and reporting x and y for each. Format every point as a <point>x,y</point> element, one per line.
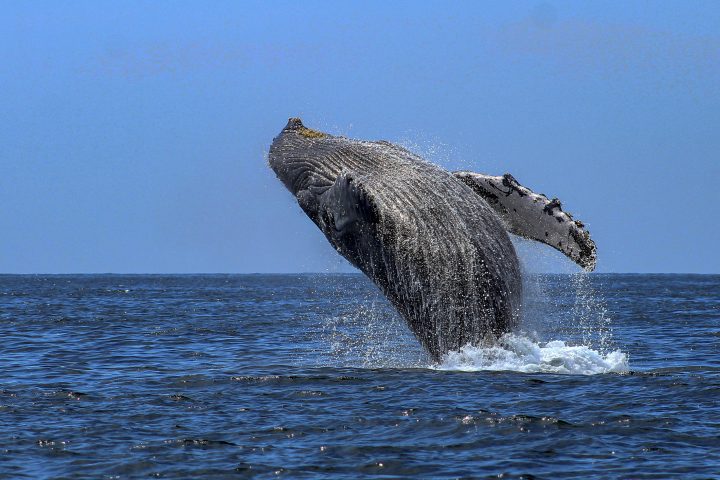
<point>516,352</point>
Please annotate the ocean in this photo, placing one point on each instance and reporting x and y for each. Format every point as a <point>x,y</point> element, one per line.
<point>315,376</point>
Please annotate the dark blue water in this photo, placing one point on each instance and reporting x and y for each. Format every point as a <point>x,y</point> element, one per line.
<point>312,376</point>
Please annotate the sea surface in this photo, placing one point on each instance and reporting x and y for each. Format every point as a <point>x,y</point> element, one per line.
<point>315,376</point>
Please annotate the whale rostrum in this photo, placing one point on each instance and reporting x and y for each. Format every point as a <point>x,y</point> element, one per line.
<point>434,242</point>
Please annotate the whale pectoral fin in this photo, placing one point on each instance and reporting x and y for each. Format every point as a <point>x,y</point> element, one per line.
<point>347,205</point>
<point>349,217</point>
<point>531,215</point>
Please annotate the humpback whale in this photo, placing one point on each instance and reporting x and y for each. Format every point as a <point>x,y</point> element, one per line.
<point>435,242</point>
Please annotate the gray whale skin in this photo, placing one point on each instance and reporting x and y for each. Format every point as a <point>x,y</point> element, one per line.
<point>436,243</point>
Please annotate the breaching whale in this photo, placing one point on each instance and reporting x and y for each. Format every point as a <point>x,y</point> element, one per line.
<point>436,243</point>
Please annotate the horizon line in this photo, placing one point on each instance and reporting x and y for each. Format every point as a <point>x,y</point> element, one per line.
<point>324,273</point>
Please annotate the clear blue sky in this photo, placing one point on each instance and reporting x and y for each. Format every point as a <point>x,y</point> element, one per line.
<point>133,134</point>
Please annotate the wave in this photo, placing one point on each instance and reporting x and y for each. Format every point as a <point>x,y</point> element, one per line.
<point>519,353</point>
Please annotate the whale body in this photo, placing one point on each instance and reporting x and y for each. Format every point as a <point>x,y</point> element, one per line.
<point>436,243</point>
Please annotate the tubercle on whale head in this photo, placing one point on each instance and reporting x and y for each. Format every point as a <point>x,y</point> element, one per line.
<point>295,124</point>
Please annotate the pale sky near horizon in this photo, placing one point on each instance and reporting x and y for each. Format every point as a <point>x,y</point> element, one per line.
<point>133,134</point>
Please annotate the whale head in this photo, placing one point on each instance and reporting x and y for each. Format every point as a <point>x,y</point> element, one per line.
<point>306,162</point>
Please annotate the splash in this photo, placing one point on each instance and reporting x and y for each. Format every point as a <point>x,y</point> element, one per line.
<point>519,353</point>
<point>565,330</point>
<point>371,336</point>
<point>567,306</point>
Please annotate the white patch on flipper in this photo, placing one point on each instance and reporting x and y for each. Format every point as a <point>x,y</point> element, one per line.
<point>531,215</point>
